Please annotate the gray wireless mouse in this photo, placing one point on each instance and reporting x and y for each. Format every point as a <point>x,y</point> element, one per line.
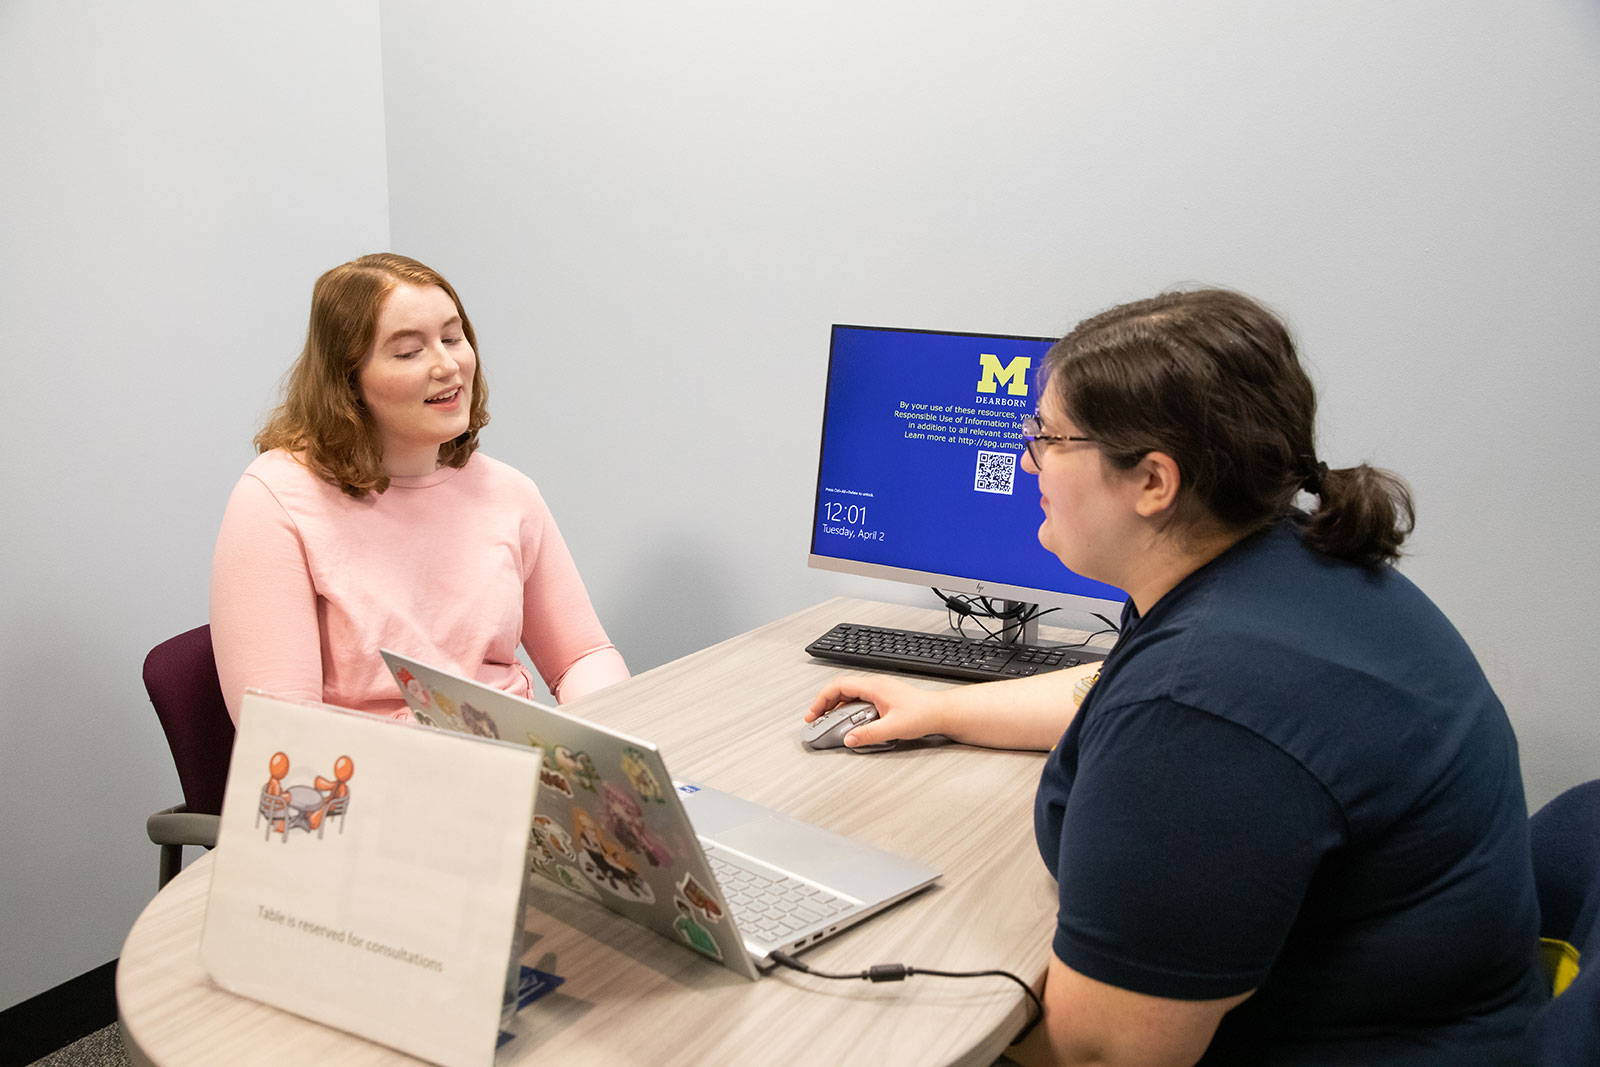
<point>828,729</point>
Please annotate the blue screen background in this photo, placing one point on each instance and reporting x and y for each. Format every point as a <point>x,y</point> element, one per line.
<point>914,501</point>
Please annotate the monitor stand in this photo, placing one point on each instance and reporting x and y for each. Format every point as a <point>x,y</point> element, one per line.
<point>1002,617</point>
<point>1028,632</point>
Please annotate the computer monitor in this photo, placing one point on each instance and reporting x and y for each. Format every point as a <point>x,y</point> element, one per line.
<point>919,478</point>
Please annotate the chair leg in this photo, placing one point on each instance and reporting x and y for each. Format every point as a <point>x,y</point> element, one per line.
<point>171,862</point>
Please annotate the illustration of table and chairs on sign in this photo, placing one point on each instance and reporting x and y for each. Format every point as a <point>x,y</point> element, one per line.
<point>303,807</point>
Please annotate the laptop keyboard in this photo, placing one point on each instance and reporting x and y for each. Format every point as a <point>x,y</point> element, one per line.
<point>770,905</point>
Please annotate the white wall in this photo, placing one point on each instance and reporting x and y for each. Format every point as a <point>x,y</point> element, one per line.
<point>175,175</point>
<point>654,211</point>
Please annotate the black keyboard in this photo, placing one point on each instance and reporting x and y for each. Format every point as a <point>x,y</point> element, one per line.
<point>946,656</point>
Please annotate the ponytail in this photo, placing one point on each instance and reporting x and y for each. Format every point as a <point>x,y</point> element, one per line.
<point>1363,514</point>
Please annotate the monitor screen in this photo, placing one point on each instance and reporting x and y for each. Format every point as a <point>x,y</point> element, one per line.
<point>920,477</point>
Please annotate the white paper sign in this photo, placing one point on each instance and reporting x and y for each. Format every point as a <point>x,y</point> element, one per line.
<point>368,875</point>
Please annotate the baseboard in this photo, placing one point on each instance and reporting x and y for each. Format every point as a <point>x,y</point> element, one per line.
<point>58,1017</point>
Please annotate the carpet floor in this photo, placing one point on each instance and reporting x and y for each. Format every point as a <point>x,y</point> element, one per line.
<point>103,1048</point>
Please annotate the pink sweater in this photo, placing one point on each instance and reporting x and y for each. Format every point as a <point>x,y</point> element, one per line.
<point>453,568</point>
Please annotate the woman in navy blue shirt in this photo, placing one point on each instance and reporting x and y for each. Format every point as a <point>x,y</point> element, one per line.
<point>1287,820</point>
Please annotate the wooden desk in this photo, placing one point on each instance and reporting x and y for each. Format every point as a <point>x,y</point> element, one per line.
<point>728,716</point>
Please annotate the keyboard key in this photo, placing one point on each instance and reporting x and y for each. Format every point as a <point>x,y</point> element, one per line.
<point>771,905</point>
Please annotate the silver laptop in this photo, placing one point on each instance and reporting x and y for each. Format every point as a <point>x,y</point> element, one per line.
<point>730,879</point>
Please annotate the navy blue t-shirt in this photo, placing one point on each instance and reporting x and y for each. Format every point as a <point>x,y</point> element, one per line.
<point>1293,777</point>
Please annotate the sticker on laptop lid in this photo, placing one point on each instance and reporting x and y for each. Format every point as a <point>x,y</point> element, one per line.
<point>570,878</point>
<point>479,722</point>
<point>692,933</point>
<point>555,780</point>
<point>707,907</point>
<point>604,861</point>
<point>577,766</point>
<point>639,775</point>
<point>625,819</point>
<point>554,838</point>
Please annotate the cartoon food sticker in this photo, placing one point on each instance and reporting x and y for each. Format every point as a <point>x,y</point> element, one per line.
<point>604,861</point>
<point>555,780</point>
<point>552,836</point>
<point>692,933</point>
<point>625,819</point>
<point>566,876</point>
<point>577,766</point>
<point>413,686</point>
<point>446,705</point>
<point>637,770</point>
<point>703,901</point>
<point>539,857</point>
<point>478,722</point>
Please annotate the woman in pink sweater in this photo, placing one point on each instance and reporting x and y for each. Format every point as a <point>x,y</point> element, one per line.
<point>371,520</point>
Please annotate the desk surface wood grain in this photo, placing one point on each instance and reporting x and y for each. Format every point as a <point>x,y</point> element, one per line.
<point>728,716</point>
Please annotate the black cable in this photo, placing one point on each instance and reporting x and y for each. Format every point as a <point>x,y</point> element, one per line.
<point>963,608</point>
<point>899,972</point>
<point>979,609</point>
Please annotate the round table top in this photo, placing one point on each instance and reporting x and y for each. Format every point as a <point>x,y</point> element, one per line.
<point>632,996</point>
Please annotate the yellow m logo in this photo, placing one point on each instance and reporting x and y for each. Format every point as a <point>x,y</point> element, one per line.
<point>1014,375</point>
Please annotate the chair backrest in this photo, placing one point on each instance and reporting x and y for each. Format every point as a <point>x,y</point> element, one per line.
<point>180,674</point>
<point>1565,836</point>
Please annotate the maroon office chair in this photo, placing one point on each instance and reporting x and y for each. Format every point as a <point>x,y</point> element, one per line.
<point>180,674</point>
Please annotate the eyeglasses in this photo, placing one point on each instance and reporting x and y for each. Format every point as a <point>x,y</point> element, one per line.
<point>1031,435</point>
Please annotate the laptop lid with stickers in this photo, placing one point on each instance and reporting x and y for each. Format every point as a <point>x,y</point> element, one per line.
<point>681,858</point>
<point>609,825</point>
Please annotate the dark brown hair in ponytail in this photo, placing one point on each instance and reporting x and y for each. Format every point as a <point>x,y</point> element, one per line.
<point>1363,514</point>
<point>1211,378</point>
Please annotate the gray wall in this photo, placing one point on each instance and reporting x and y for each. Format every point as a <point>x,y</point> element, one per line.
<point>654,212</point>
<point>175,175</point>
<point>657,210</point>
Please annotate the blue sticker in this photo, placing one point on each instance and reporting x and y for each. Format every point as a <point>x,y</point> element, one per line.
<point>532,985</point>
<point>535,984</point>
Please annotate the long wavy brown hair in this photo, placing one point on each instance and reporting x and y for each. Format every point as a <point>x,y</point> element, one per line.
<point>322,417</point>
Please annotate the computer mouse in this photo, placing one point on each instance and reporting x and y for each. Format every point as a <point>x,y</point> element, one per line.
<point>828,729</point>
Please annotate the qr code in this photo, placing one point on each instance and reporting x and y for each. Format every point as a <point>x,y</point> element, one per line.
<point>996,471</point>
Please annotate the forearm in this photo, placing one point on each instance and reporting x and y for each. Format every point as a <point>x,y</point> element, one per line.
<point>1019,713</point>
<point>597,670</point>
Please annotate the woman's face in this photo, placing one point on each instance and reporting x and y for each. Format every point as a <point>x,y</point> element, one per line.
<point>417,378</point>
<point>1089,517</point>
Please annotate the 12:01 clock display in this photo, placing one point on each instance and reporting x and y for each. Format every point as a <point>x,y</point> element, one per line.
<point>854,514</point>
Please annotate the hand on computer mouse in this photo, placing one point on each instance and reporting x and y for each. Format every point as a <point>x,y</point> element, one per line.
<point>901,710</point>
<point>830,729</point>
